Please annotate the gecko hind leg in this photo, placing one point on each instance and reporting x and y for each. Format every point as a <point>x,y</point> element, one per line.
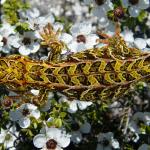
<point>41,98</point>
<point>20,98</point>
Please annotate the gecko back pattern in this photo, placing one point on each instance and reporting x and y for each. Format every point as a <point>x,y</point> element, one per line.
<point>97,74</point>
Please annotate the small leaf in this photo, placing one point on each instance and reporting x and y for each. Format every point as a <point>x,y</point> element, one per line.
<point>58,122</point>
<point>142,15</point>
<point>63,114</point>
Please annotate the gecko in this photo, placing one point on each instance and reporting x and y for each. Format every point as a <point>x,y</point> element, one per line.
<point>97,74</point>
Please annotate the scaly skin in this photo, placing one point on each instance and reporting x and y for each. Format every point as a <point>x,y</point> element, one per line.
<point>96,74</point>
<point>89,75</point>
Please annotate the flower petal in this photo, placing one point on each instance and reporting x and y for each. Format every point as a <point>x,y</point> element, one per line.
<point>63,141</point>
<point>58,26</point>
<point>134,11</point>
<point>125,3</point>
<point>76,137</point>
<point>140,43</point>
<point>143,4</point>
<point>73,107</point>
<point>76,47</point>
<point>128,36</point>
<point>144,147</point>
<point>85,128</point>
<point>35,113</point>
<point>66,38</point>
<point>115,144</point>
<point>53,132</point>
<point>33,13</point>
<point>83,104</point>
<point>91,40</point>
<point>34,47</point>
<point>2,138</point>
<point>35,92</point>
<point>15,115</point>
<point>23,50</point>
<point>83,28</point>
<point>24,122</point>
<point>39,140</point>
<point>28,106</point>
<point>108,5</point>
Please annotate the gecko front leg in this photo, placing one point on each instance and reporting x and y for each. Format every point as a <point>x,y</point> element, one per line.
<point>50,39</point>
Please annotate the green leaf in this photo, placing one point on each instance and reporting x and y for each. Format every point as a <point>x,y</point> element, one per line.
<point>30,133</point>
<point>22,26</point>
<point>11,10</point>
<point>58,122</point>
<point>35,125</point>
<point>143,14</point>
<point>63,114</point>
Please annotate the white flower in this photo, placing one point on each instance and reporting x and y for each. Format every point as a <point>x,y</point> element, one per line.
<point>79,9</point>
<point>143,117</point>
<point>30,13</point>
<point>75,104</point>
<point>104,6</point>
<point>81,37</point>
<point>12,41</point>
<point>106,141</point>
<point>139,43</point>
<point>100,9</point>
<point>76,136</point>
<point>37,22</point>
<point>8,137</point>
<point>23,113</point>
<point>7,35</point>
<point>136,6</point>
<point>28,43</point>
<point>3,1</point>
<point>144,147</point>
<point>7,30</point>
<point>53,138</point>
